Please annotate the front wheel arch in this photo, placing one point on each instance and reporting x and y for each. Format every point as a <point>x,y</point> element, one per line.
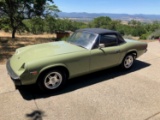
<point>61,68</point>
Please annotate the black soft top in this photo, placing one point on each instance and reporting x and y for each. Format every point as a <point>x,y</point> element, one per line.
<point>98,30</point>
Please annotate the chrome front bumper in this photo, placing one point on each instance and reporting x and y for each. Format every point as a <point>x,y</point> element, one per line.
<point>12,74</point>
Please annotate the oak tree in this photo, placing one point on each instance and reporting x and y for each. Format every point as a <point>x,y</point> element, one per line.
<point>18,10</point>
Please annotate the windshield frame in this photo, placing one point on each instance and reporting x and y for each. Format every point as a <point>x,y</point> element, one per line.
<point>89,46</point>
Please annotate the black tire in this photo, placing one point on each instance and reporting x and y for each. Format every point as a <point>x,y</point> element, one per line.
<point>128,62</point>
<point>52,80</point>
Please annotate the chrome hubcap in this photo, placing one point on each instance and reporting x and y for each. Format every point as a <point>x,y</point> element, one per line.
<point>128,61</point>
<point>53,80</point>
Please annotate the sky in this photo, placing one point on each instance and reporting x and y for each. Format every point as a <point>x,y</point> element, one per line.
<point>110,6</point>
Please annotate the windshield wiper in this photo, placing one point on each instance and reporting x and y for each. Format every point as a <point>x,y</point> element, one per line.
<point>80,46</point>
<point>76,44</point>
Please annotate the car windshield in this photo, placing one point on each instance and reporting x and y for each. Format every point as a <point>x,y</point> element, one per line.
<point>83,39</point>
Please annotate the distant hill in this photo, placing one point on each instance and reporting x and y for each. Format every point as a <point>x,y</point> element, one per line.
<point>124,17</point>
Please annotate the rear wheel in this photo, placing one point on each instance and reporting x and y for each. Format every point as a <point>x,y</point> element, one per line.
<point>127,62</point>
<point>52,80</point>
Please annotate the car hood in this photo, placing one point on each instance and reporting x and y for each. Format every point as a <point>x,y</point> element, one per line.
<point>34,52</point>
<point>47,50</point>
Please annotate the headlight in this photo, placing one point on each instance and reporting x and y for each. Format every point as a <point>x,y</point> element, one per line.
<point>23,67</point>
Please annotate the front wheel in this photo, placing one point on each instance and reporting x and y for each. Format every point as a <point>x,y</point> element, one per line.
<point>127,62</point>
<point>52,80</point>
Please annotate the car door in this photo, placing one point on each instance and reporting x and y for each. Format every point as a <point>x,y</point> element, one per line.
<point>106,52</point>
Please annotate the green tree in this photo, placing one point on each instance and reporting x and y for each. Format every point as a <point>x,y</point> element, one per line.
<point>101,22</point>
<point>37,25</point>
<point>4,24</point>
<point>18,10</point>
<point>155,25</point>
<point>114,24</point>
<point>50,24</point>
<point>134,23</point>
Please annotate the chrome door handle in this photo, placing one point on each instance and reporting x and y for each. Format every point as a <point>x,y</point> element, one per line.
<point>117,51</point>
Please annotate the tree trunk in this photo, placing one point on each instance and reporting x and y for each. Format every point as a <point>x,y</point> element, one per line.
<point>13,33</point>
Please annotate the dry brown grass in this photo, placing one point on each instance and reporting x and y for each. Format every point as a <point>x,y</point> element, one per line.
<point>9,45</point>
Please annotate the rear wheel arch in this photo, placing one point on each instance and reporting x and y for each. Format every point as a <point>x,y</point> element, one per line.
<point>128,60</point>
<point>134,53</point>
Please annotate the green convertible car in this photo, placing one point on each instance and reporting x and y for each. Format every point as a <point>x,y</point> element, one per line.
<point>50,65</point>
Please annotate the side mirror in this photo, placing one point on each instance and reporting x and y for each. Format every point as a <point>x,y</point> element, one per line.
<point>101,45</point>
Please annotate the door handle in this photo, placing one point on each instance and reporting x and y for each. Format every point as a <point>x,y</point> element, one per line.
<point>117,51</point>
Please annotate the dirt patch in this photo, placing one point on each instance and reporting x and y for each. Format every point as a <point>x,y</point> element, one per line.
<point>9,45</point>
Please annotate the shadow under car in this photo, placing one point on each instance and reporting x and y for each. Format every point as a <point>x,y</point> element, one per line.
<point>32,92</point>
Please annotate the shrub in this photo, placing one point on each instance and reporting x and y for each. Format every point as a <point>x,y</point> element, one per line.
<point>6,28</point>
<point>145,36</point>
<point>155,34</point>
